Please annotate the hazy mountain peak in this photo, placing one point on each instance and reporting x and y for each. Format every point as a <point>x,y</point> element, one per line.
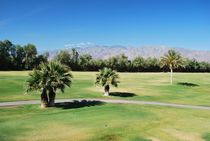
<point>104,52</point>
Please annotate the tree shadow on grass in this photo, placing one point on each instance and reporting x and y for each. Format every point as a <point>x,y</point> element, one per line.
<point>187,84</point>
<point>122,94</point>
<point>78,104</point>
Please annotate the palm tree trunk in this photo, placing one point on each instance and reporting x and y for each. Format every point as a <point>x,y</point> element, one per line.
<point>106,89</point>
<point>51,98</point>
<point>171,76</point>
<point>44,98</point>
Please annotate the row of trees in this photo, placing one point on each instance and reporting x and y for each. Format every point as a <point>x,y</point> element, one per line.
<point>17,57</point>
<point>121,63</point>
<point>52,76</point>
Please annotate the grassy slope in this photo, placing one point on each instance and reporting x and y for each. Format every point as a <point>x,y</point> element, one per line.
<point>146,86</point>
<point>106,122</point>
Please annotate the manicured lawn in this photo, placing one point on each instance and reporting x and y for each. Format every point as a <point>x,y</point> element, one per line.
<point>104,122</point>
<point>188,88</point>
<point>110,122</point>
<point>12,87</point>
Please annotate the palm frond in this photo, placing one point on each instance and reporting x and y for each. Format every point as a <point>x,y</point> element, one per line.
<point>107,76</point>
<point>172,60</point>
<point>52,75</point>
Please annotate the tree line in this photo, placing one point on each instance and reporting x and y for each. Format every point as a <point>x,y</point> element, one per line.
<point>17,57</point>
<point>121,63</point>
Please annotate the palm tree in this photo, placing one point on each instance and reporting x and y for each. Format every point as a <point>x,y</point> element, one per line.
<point>48,78</point>
<point>107,77</point>
<point>172,60</point>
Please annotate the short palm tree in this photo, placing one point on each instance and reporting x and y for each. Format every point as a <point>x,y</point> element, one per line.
<point>107,77</point>
<point>48,78</point>
<point>172,60</point>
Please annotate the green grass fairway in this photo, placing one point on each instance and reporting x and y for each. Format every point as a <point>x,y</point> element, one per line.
<point>110,122</point>
<point>188,88</point>
<point>105,122</point>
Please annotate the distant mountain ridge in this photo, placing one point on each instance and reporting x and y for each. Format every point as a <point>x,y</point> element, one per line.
<point>104,52</point>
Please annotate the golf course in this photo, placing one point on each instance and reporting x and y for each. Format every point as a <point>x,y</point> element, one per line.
<point>105,70</point>
<point>101,121</point>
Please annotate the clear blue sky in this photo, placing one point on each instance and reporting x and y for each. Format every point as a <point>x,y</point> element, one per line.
<point>51,24</point>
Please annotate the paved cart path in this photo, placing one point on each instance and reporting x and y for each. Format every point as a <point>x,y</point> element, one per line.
<point>15,103</point>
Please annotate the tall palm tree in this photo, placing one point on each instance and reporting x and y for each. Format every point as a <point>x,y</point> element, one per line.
<point>107,77</point>
<point>48,78</point>
<point>172,60</point>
